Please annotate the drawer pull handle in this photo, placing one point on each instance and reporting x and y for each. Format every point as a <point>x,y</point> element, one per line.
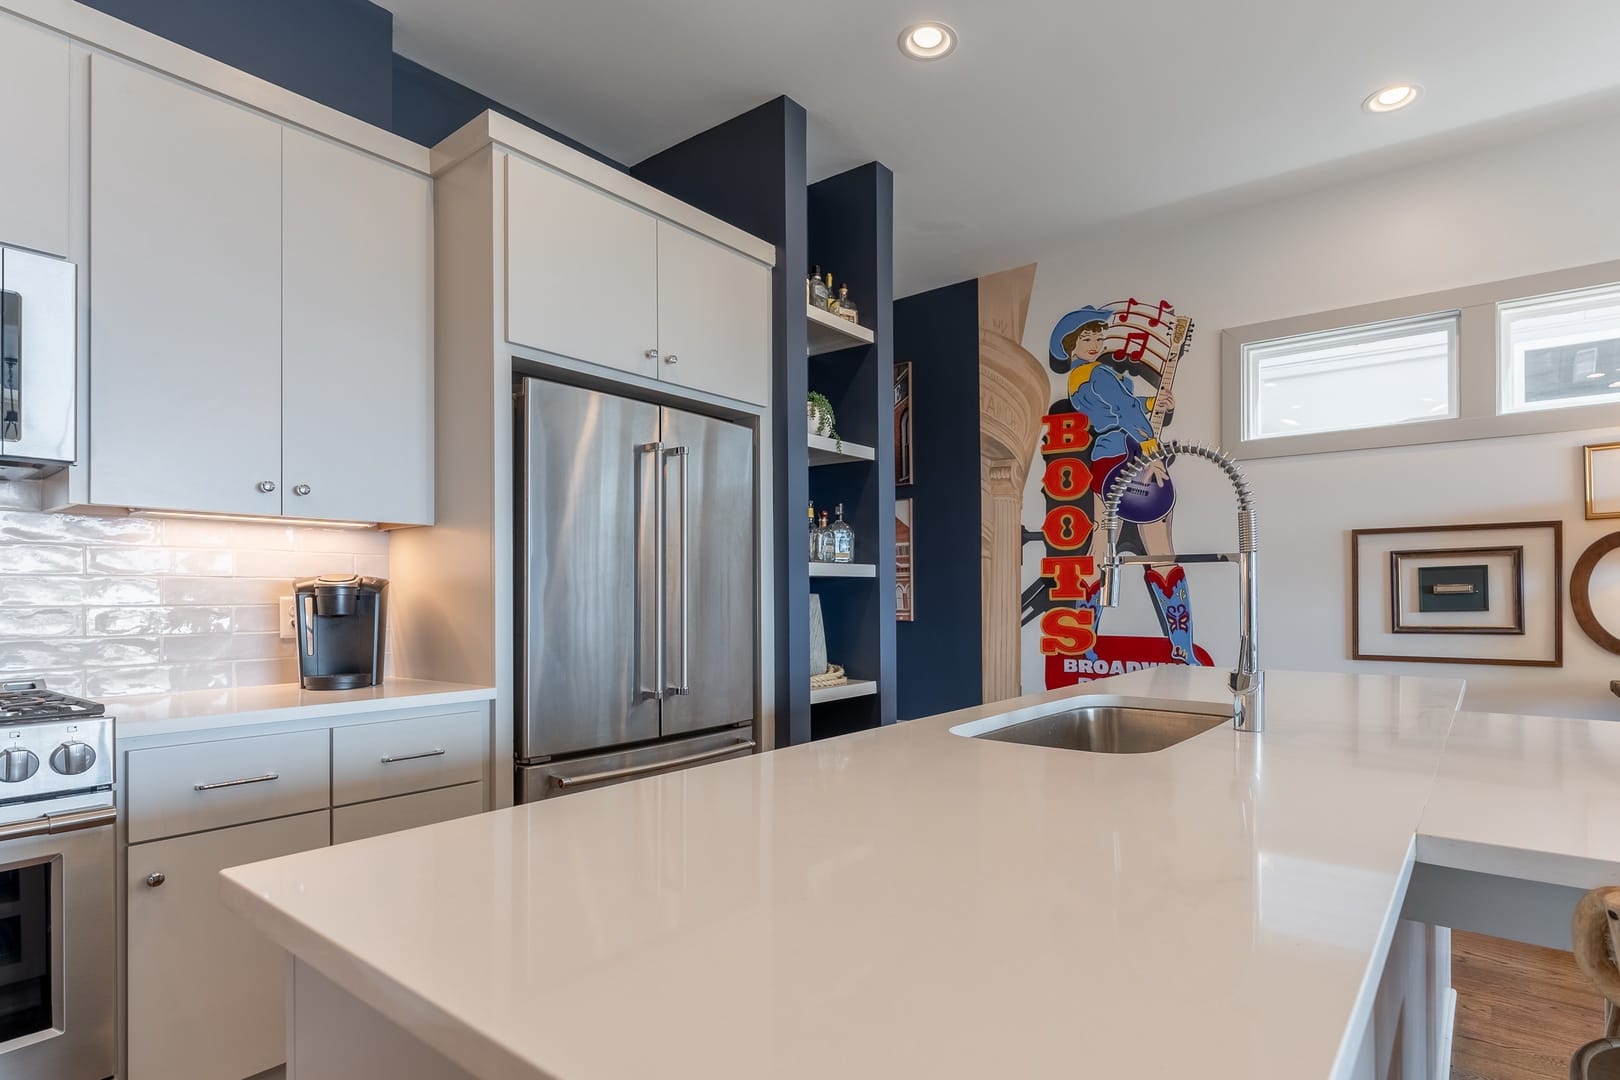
<point>238,783</point>
<point>655,766</point>
<point>439,752</point>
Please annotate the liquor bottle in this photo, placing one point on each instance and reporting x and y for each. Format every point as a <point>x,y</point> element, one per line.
<point>846,310</point>
<point>843,539</point>
<point>814,538</point>
<point>818,287</point>
<point>831,303</point>
<point>824,541</point>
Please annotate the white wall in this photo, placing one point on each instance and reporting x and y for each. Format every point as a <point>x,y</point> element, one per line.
<point>1536,205</point>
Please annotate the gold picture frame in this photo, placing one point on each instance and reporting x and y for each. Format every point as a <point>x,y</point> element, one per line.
<point>1602,481</point>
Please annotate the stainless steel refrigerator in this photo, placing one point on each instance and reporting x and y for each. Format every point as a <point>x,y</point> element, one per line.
<point>636,599</point>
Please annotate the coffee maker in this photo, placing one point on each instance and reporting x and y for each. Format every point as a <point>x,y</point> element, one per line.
<point>341,622</point>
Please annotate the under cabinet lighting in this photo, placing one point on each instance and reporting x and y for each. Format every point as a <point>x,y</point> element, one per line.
<point>250,519</point>
<point>1391,98</point>
<point>927,41</point>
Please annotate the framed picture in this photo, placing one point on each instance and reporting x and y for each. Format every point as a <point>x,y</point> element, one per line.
<point>1459,594</point>
<point>1603,481</point>
<point>902,423</point>
<point>1461,591</point>
<point>903,596</point>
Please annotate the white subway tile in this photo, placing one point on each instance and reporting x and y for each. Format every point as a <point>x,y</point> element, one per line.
<point>292,565</point>
<point>201,562</point>
<point>196,532</point>
<point>106,591</point>
<point>119,621</point>
<point>371,565</point>
<point>258,618</point>
<point>111,682</point>
<point>40,654</point>
<point>33,558</point>
<point>234,590</point>
<point>40,622</point>
<point>266,537</point>
<point>226,647</point>
<point>24,591</point>
<point>266,672</point>
<point>127,560</point>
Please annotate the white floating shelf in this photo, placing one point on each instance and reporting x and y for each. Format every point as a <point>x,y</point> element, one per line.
<point>843,569</point>
<point>825,451</point>
<point>828,333</point>
<point>853,688</point>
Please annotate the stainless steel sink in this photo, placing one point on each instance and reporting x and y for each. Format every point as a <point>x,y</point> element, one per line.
<point>1109,729</point>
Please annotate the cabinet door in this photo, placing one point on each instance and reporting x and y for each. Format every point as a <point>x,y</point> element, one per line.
<point>34,87</point>
<point>714,317</point>
<point>207,992</point>
<point>357,336</point>
<point>581,271</point>
<point>185,282</point>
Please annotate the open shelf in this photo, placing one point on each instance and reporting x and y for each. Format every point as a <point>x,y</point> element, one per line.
<point>828,333</point>
<point>843,569</point>
<point>852,689</point>
<point>825,451</point>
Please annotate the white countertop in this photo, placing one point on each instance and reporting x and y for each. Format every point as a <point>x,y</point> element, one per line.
<point>150,715</point>
<point>909,902</point>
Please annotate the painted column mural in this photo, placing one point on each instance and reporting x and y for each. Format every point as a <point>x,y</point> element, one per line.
<point>1113,368</point>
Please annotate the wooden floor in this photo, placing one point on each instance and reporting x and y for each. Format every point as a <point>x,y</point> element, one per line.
<point>1521,1010</point>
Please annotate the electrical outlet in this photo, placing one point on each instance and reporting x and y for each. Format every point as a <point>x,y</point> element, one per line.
<point>289,624</point>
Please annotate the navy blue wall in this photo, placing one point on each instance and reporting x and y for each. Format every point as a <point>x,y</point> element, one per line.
<point>337,52</point>
<point>938,655</point>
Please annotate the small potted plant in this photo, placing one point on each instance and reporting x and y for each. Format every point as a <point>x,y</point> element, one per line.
<point>818,413</point>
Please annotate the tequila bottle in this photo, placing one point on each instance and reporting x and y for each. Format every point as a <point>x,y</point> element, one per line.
<point>814,532</point>
<point>824,541</point>
<point>843,539</point>
<point>818,288</point>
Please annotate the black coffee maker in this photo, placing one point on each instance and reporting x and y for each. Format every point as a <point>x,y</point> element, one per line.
<point>341,621</point>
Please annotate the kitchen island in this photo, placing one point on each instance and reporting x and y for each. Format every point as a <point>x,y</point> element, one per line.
<point>911,902</point>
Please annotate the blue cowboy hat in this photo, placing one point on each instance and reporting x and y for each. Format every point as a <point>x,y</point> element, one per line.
<point>1068,325</point>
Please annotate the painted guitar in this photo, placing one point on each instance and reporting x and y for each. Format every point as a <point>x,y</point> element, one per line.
<point>1146,500</point>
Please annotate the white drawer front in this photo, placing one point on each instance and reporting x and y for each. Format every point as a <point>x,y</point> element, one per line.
<point>397,757</point>
<point>182,789</point>
<point>406,812</point>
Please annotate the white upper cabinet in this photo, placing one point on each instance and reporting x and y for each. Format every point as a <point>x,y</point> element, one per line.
<point>185,279</point>
<point>714,317</point>
<point>357,336</point>
<point>261,326</point>
<point>581,271</point>
<point>592,277</point>
<point>34,87</point>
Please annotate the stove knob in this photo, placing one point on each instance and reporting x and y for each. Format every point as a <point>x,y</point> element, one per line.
<point>17,765</point>
<point>73,758</point>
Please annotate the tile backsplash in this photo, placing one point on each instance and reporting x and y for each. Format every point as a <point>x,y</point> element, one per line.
<point>133,605</point>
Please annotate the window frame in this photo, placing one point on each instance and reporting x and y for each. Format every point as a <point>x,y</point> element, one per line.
<point>1478,415</point>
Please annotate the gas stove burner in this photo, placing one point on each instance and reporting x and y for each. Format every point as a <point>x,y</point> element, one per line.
<point>30,700</point>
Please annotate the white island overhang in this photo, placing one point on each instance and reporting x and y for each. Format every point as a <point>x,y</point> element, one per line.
<point>913,902</point>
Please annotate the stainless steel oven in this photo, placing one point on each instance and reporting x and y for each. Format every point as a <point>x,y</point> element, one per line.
<point>58,876</point>
<point>38,364</point>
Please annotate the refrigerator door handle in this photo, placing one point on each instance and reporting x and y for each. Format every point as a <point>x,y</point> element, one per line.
<point>656,517</point>
<point>683,455</point>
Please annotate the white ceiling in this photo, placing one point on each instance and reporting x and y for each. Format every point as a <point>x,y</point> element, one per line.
<point>1052,116</point>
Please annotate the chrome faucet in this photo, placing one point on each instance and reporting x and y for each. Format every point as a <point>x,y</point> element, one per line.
<point>1247,682</point>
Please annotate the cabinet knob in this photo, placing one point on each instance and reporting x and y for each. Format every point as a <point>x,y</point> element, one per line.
<point>301,489</point>
<point>156,879</point>
<point>672,359</point>
<point>651,354</point>
<point>267,486</point>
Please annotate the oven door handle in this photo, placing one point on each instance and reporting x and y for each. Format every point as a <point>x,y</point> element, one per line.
<point>48,824</point>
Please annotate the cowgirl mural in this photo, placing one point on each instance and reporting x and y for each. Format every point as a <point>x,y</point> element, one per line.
<point>1119,362</point>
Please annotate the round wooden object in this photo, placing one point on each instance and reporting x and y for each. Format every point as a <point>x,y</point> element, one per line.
<point>1580,588</point>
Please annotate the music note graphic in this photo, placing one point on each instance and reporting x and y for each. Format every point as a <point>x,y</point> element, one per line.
<point>1125,316</point>
<point>1164,309</point>
<point>1135,345</point>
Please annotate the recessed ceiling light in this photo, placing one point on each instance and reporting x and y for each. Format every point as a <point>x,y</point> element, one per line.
<point>927,41</point>
<point>1391,98</point>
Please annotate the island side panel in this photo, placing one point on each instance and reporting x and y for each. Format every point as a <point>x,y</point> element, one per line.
<point>332,1035</point>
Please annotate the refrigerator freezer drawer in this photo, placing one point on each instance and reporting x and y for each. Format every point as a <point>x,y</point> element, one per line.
<point>545,781</point>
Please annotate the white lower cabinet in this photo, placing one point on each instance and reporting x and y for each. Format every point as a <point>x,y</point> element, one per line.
<point>207,994</point>
<point>405,812</point>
